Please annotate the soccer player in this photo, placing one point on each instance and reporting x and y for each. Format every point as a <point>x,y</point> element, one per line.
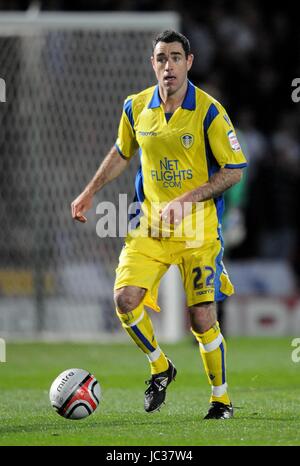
<point>189,156</point>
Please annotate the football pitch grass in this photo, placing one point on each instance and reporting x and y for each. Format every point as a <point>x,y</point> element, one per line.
<point>264,386</point>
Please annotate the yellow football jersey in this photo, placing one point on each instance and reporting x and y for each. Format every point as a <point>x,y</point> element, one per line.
<point>177,156</point>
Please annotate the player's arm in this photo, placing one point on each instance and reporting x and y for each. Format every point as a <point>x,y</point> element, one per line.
<point>227,154</point>
<point>216,185</point>
<point>111,167</point>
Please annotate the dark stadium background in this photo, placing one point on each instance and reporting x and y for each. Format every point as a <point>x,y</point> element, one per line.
<point>247,54</point>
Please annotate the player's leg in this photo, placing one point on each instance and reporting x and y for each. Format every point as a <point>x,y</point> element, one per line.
<point>137,279</point>
<point>212,347</point>
<point>206,281</point>
<point>137,323</point>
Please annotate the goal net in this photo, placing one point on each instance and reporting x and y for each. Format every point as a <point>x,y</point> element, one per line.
<point>66,79</point>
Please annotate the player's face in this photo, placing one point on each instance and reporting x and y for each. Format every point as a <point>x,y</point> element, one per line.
<point>171,66</point>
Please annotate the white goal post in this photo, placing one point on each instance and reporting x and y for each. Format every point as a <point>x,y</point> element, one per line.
<point>66,78</point>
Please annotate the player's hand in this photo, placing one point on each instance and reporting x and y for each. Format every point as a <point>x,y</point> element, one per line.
<point>80,205</point>
<point>174,212</point>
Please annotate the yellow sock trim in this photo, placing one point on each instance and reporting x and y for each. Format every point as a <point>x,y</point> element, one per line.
<point>209,336</point>
<point>129,318</point>
<point>221,399</point>
<point>160,365</point>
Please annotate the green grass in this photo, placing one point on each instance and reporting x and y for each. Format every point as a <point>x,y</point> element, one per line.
<point>264,386</point>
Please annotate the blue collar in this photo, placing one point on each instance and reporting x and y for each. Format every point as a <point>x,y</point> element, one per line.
<point>189,102</point>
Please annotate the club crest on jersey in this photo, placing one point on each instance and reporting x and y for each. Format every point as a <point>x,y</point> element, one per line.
<point>233,140</point>
<point>187,140</point>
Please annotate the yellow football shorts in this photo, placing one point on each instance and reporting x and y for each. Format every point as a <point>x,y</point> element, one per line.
<point>144,261</point>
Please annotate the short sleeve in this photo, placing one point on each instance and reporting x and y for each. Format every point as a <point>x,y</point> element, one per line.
<point>222,138</point>
<point>126,143</point>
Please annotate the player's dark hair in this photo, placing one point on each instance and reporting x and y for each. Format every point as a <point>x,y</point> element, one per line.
<point>172,36</point>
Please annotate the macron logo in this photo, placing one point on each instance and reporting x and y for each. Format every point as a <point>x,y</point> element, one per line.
<point>147,133</point>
